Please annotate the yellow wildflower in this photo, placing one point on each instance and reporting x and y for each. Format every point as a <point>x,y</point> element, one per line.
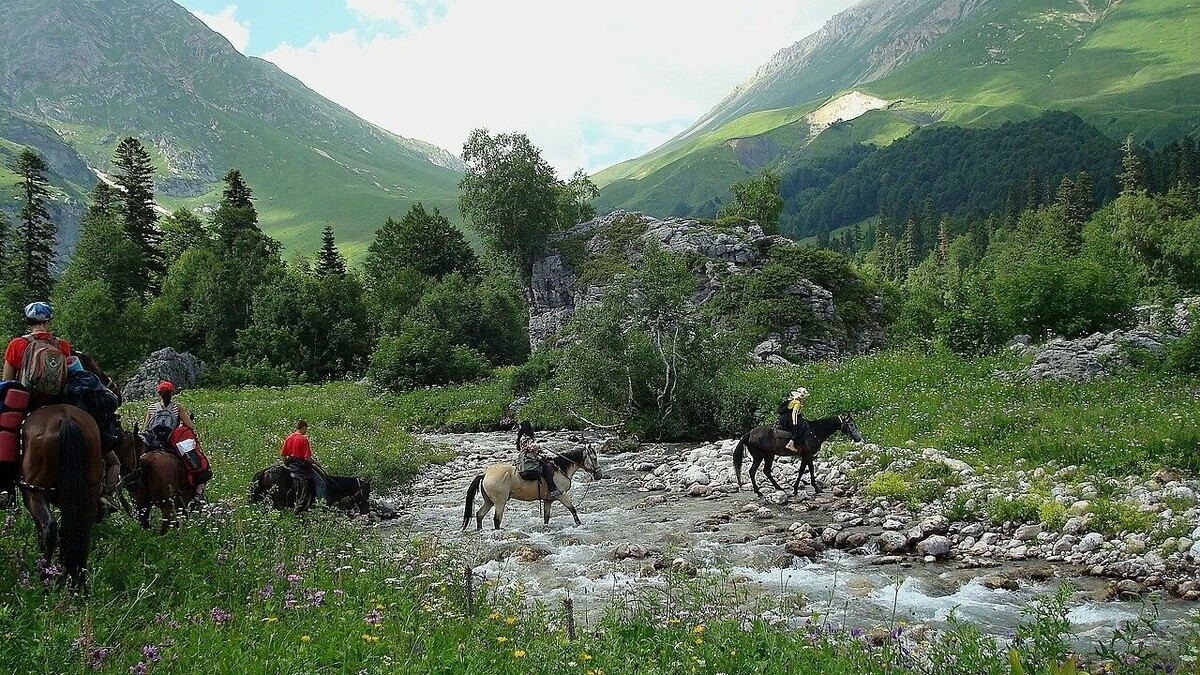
<point>372,639</point>
<point>519,654</point>
<point>698,629</point>
<point>699,641</point>
<point>494,615</point>
<point>501,639</point>
<point>306,639</point>
<point>510,620</point>
<point>585,657</point>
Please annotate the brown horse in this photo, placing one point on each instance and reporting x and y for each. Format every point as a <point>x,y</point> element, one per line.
<point>765,445</point>
<point>278,484</point>
<point>89,364</point>
<point>62,467</point>
<point>154,478</point>
<point>501,482</point>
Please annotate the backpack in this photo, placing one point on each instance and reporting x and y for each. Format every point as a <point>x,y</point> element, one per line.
<point>44,367</point>
<point>164,416</point>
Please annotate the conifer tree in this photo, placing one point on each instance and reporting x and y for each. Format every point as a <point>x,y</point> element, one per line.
<point>105,200</point>
<point>134,174</point>
<point>329,260</point>
<point>36,233</point>
<point>1132,178</point>
<point>236,215</point>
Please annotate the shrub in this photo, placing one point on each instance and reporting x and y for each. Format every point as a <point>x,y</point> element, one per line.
<point>1184,354</point>
<point>534,372</point>
<point>1052,514</point>
<point>1025,509</point>
<point>1109,517</point>
<point>889,484</point>
<point>261,374</point>
<point>422,355</point>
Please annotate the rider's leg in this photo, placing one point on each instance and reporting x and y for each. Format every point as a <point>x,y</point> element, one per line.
<point>319,484</point>
<point>548,472</point>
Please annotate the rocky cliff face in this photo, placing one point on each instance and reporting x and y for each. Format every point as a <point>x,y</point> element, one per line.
<point>561,282</point>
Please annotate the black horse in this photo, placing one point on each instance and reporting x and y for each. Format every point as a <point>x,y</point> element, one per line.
<point>765,446</point>
<point>286,490</point>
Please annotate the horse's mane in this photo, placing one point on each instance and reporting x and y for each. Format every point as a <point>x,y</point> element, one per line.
<point>564,460</point>
<point>828,423</point>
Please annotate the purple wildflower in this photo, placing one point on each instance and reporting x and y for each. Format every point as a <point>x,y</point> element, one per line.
<point>294,578</point>
<point>856,632</point>
<point>267,591</point>
<point>24,577</point>
<point>318,598</point>
<point>98,657</point>
<point>151,653</point>
<point>278,569</point>
<point>896,632</point>
<point>139,669</point>
<point>220,616</point>
<point>373,618</point>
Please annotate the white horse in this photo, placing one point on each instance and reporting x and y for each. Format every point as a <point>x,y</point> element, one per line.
<point>501,482</point>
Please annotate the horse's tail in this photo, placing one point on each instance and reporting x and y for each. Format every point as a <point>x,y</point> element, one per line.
<point>256,490</point>
<point>475,484</point>
<point>737,457</point>
<point>78,510</point>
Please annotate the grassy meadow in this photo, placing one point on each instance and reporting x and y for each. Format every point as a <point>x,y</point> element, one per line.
<point>239,589</point>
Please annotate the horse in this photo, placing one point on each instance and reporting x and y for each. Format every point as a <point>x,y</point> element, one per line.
<point>89,364</point>
<point>501,482</point>
<point>765,445</point>
<point>62,467</point>
<point>279,485</point>
<point>154,478</point>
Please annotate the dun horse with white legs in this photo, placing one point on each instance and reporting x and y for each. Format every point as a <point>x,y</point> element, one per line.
<point>501,482</point>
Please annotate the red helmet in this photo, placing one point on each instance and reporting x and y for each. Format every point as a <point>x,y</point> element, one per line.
<point>165,386</point>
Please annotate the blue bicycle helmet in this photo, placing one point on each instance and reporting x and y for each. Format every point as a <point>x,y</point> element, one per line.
<point>38,311</point>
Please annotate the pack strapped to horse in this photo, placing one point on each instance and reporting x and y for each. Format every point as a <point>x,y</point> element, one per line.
<point>14,405</point>
<point>186,445</point>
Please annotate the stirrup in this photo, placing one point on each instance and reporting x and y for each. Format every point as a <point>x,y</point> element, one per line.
<point>555,493</point>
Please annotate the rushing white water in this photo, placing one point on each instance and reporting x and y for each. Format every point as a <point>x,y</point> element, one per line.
<point>717,538</point>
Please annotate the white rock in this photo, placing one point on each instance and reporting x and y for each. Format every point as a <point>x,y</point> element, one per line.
<point>1090,542</point>
<point>936,545</point>
<point>892,524</point>
<point>698,490</point>
<point>1194,551</point>
<point>1183,492</point>
<point>1027,532</point>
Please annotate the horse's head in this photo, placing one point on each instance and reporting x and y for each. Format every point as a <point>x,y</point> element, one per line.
<point>849,428</point>
<point>591,462</point>
<point>129,449</point>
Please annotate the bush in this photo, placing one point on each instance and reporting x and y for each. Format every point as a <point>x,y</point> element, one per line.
<point>1184,354</point>
<point>1016,509</point>
<point>889,484</point>
<point>534,372</point>
<point>261,374</point>
<point>422,355</point>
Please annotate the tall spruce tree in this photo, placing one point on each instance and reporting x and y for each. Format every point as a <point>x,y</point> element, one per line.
<point>330,262</point>
<point>36,233</point>
<point>134,174</point>
<point>236,215</point>
<point>1133,179</point>
<point>105,200</point>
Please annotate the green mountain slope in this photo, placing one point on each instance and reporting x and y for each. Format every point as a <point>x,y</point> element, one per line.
<point>1125,66</point>
<point>96,70</point>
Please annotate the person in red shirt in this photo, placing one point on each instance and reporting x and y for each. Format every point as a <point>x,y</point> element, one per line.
<point>297,455</point>
<point>37,316</point>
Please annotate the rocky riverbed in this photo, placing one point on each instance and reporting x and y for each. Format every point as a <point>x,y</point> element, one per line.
<point>665,511</point>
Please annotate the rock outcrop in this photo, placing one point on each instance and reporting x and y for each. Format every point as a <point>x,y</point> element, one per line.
<point>560,284</point>
<point>1097,355</point>
<point>182,370</point>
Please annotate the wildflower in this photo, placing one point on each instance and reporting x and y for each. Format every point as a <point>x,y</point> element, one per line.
<point>501,639</point>
<point>318,598</point>
<point>294,578</point>
<point>494,615</point>
<point>380,607</point>
<point>139,669</point>
<point>373,618</point>
<point>698,630</point>
<point>519,654</point>
<point>371,639</point>
<point>267,591</point>
<point>151,653</point>
<point>98,657</point>
<point>699,641</point>
<point>220,616</point>
<point>306,639</point>
<point>585,657</point>
<point>510,620</point>
<point>673,620</point>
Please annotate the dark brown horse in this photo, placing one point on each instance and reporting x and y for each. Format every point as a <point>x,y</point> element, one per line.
<point>285,491</point>
<point>765,445</point>
<point>154,478</point>
<point>62,467</point>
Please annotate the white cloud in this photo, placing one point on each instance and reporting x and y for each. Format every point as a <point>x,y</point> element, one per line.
<point>590,83</point>
<point>225,23</point>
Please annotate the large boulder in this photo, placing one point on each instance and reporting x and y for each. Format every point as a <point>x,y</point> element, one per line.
<point>182,370</point>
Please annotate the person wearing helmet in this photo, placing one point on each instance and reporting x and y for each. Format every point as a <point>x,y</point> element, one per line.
<point>45,365</point>
<point>37,317</point>
<point>167,412</point>
<point>790,422</point>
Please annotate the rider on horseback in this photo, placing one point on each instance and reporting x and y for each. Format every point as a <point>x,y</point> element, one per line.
<point>46,368</point>
<point>297,456</point>
<point>163,418</point>
<point>530,458</point>
<point>790,421</point>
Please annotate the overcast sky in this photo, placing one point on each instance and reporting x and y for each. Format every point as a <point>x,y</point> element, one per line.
<point>591,83</point>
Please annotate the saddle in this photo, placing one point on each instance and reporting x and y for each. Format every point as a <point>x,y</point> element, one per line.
<point>302,475</point>
<point>183,444</point>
